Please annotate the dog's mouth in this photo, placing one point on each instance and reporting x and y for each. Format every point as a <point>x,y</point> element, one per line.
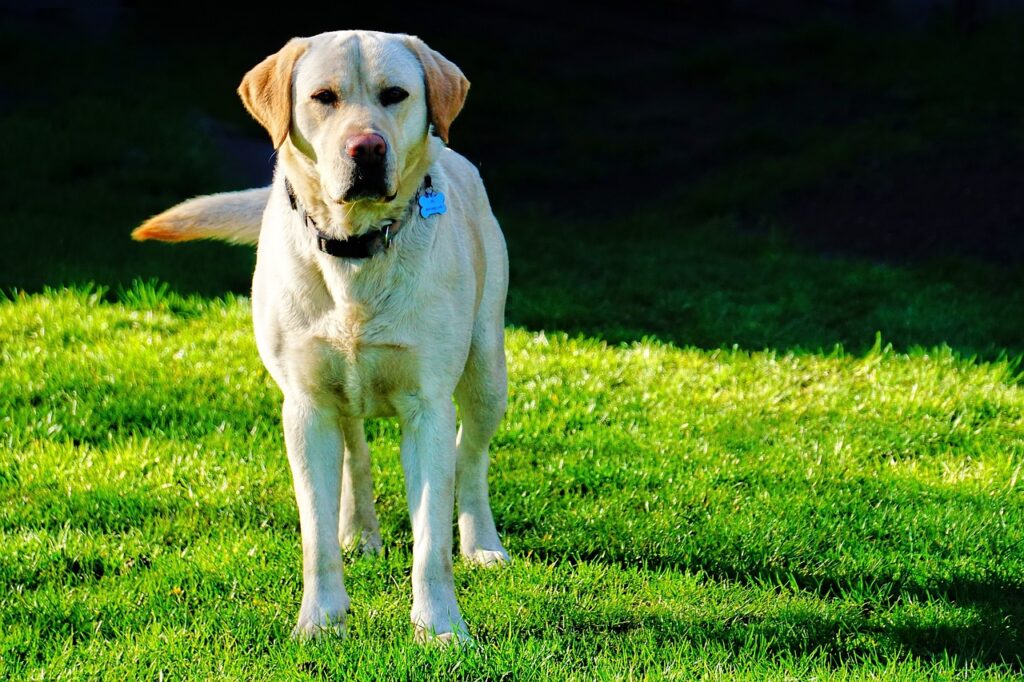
<point>369,183</point>
<point>368,190</point>
<point>381,196</point>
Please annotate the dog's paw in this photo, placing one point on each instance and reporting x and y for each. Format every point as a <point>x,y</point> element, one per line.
<point>371,545</point>
<point>324,619</point>
<point>437,621</point>
<point>309,630</point>
<point>458,637</point>
<point>488,557</point>
<point>365,544</point>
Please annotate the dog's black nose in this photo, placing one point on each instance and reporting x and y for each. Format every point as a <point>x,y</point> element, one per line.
<point>366,148</point>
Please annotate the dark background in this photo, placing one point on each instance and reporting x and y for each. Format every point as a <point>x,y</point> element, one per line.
<point>786,174</point>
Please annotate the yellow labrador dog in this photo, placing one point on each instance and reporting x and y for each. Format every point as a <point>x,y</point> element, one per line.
<point>379,291</point>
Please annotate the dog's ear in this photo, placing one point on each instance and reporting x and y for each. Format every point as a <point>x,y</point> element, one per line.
<point>446,86</point>
<point>266,90</point>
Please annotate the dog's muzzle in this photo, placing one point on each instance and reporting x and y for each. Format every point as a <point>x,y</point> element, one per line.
<point>368,152</point>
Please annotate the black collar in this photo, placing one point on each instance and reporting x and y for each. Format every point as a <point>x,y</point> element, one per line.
<point>366,245</point>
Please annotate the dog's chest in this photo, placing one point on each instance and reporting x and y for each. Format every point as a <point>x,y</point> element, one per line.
<point>361,367</point>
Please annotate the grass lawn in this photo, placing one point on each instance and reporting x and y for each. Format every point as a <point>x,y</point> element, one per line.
<point>729,453</point>
<point>671,512</point>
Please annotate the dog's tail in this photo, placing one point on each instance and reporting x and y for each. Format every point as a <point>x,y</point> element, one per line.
<point>230,216</point>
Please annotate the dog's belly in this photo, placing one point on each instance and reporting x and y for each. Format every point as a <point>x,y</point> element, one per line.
<point>363,380</point>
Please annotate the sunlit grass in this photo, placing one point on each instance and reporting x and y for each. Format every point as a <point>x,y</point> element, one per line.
<point>671,512</point>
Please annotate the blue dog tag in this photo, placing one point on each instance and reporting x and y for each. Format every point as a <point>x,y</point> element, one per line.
<point>432,203</point>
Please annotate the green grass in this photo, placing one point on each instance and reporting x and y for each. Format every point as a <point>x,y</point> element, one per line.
<point>727,456</point>
<point>714,286</point>
<point>671,512</point>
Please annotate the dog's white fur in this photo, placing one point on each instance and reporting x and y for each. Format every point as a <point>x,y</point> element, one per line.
<point>395,335</point>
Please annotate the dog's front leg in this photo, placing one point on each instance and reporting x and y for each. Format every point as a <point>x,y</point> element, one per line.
<point>428,460</point>
<point>314,452</point>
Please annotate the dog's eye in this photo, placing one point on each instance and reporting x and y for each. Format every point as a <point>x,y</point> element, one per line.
<point>389,96</point>
<point>324,96</point>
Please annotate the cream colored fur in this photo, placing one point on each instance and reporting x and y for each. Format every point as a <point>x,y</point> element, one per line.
<point>229,216</point>
<point>395,335</point>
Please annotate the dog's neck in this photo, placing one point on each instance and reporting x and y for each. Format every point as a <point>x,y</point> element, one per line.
<point>345,220</point>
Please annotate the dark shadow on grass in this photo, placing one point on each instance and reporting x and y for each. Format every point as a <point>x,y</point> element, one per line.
<point>842,641</point>
<point>714,285</point>
<point>996,639</point>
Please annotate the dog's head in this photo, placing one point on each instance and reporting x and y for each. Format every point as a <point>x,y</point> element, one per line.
<point>353,110</point>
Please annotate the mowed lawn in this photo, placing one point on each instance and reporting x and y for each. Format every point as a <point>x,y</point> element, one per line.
<point>670,512</point>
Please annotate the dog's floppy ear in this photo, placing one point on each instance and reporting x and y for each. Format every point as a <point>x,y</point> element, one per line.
<point>266,90</point>
<point>446,86</point>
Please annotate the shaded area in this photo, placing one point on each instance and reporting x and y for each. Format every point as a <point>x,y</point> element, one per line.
<point>963,197</point>
<point>869,627</point>
<point>794,177</point>
<point>718,284</point>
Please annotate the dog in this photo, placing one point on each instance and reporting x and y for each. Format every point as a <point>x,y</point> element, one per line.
<point>379,291</point>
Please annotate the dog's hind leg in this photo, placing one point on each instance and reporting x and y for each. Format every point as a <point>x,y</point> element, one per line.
<point>358,528</point>
<point>482,394</point>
